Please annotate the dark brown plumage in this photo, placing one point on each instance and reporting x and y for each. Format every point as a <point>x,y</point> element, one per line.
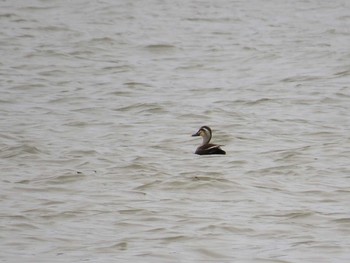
<point>206,147</point>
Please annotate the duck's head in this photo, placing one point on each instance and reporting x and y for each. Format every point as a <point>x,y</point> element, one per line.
<point>204,132</point>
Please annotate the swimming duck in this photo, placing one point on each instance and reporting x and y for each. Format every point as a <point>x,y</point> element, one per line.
<point>206,147</point>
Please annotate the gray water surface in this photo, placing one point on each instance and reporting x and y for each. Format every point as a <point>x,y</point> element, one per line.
<point>98,102</point>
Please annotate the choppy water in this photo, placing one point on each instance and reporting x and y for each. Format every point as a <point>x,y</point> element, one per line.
<point>98,102</point>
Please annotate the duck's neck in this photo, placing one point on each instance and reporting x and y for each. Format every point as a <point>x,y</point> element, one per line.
<point>206,139</point>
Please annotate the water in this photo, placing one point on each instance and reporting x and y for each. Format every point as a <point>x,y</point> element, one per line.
<point>98,102</point>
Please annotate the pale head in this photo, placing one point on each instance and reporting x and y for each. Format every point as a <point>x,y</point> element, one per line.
<point>205,133</point>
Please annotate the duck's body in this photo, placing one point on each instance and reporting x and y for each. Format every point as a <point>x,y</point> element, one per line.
<point>206,147</point>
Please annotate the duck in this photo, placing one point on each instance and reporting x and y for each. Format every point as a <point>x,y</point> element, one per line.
<point>207,148</point>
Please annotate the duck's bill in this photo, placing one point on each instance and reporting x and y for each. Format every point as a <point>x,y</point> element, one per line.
<point>196,134</point>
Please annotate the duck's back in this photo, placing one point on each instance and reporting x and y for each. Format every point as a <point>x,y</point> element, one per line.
<point>209,149</point>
